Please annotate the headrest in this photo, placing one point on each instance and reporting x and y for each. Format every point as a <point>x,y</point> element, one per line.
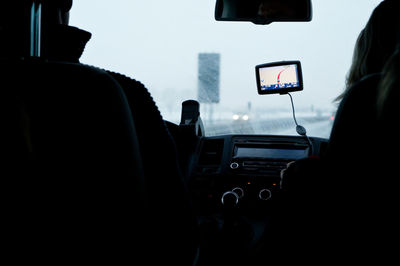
<point>65,5</point>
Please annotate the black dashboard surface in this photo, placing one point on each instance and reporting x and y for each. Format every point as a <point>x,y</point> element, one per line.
<point>234,183</point>
<point>248,165</point>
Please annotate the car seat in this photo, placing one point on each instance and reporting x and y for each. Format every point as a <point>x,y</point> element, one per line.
<point>72,185</point>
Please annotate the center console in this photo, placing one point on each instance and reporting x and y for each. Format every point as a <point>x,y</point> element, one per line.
<point>244,171</point>
<point>235,188</point>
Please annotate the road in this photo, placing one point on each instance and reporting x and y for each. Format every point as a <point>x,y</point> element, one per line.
<point>320,129</point>
<point>315,126</point>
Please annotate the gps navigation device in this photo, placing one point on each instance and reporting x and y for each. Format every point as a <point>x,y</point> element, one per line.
<point>279,77</point>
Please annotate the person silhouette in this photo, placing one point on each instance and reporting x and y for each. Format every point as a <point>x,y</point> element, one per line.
<point>339,190</point>
<point>171,222</point>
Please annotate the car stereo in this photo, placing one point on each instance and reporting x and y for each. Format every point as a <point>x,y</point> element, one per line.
<point>265,160</point>
<point>270,153</point>
<point>279,77</point>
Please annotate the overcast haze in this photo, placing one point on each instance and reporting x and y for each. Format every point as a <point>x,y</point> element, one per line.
<point>157,42</point>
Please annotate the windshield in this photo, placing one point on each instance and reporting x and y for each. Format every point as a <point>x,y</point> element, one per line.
<point>164,44</point>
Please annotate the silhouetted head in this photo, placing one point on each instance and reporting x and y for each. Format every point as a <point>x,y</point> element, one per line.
<point>376,42</point>
<point>15,21</point>
<point>15,13</point>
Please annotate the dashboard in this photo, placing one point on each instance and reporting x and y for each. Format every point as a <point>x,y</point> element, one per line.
<point>243,171</point>
<point>234,183</point>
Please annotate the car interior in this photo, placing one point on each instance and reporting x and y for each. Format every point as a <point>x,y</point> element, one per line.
<point>80,183</point>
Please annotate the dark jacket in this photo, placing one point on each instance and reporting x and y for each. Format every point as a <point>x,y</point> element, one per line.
<point>164,180</point>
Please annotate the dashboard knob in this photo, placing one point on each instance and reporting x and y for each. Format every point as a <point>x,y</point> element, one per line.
<point>234,165</point>
<point>239,191</point>
<point>230,199</point>
<point>265,194</point>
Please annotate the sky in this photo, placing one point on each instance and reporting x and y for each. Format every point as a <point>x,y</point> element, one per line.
<point>157,42</point>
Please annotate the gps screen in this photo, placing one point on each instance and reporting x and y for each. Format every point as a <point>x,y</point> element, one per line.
<point>281,77</point>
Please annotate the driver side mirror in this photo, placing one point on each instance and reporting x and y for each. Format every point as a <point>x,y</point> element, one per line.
<point>263,11</point>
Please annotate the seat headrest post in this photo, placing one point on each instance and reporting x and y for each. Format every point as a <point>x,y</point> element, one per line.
<point>36,29</point>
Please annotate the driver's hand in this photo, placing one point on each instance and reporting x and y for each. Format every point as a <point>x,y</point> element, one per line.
<point>301,174</point>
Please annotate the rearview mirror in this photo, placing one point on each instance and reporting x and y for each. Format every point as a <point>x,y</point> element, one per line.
<point>263,11</point>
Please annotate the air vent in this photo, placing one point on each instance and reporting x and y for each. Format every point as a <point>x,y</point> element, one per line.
<point>211,152</point>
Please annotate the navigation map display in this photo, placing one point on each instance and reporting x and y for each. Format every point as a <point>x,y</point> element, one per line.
<point>279,77</point>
